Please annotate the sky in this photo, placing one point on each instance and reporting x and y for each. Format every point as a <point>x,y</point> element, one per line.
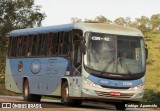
<point>61,11</point>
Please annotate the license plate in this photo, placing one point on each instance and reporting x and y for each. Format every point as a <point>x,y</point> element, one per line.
<point>115,93</point>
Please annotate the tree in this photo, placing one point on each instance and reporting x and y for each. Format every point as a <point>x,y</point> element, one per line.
<point>128,21</point>
<point>120,21</point>
<point>16,14</point>
<point>143,24</point>
<point>102,19</point>
<point>98,19</point>
<point>155,21</point>
<point>76,20</point>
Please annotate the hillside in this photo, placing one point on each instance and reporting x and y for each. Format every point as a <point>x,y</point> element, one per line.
<point>152,92</point>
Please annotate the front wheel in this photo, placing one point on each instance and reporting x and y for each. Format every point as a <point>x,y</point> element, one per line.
<point>65,94</point>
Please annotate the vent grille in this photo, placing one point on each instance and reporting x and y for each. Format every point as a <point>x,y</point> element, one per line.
<point>106,94</point>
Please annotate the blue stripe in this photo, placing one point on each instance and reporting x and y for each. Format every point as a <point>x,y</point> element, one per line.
<point>114,83</point>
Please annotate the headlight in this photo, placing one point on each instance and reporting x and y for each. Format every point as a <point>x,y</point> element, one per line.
<point>87,81</point>
<point>138,87</point>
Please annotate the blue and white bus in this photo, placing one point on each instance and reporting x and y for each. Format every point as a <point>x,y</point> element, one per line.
<point>77,62</point>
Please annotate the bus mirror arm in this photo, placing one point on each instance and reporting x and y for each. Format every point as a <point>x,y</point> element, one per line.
<point>146,51</point>
<point>82,47</point>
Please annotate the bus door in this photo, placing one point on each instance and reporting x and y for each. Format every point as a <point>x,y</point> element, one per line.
<point>76,65</point>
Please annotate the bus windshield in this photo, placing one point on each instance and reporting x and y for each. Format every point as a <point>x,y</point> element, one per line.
<point>115,54</point>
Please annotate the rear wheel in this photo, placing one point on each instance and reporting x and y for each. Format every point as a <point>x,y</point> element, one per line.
<point>120,106</point>
<point>26,93</point>
<point>36,98</point>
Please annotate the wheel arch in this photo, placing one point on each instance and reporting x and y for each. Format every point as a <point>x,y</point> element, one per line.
<point>24,79</point>
<point>65,79</point>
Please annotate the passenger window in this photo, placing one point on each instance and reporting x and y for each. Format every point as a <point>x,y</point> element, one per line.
<point>65,42</point>
<point>14,47</point>
<point>29,46</point>
<point>54,46</point>
<point>59,45</point>
<point>35,45</point>
<point>44,42</point>
<point>20,41</point>
<point>49,47</point>
<point>24,45</point>
<point>10,47</point>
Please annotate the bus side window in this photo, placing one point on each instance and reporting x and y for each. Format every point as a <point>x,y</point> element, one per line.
<point>39,44</point>
<point>14,47</point>
<point>49,46</point>
<point>29,46</point>
<point>65,49</point>
<point>54,45</point>
<point>19,46</point>
<point>24,45</point>
<point>44,40</point>
<point>59,45</point>
<point>34,45</point>
<point>10,46</point>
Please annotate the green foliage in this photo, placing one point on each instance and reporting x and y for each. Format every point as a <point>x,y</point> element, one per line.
<point>150,96</point>
<point>145,24</point>
<point>16,14</point>
<point>76,20</point>
<point>152,84</point>
<point>120,21</point>
<point>103,19</point>
<point>155,20</point>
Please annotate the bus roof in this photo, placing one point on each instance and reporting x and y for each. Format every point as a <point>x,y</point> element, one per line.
<point>93,27</point>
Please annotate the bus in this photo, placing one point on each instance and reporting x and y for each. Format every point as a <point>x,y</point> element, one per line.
<point>77,62</point>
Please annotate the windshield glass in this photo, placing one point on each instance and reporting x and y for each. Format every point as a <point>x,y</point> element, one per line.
<point>114,53</point>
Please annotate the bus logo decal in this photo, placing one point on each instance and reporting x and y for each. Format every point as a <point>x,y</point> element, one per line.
<point>51,66</point>
<point>35,66</point>
<point>20,66</point>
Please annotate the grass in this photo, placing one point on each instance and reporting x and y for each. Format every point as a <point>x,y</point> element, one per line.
<point>152,84</point>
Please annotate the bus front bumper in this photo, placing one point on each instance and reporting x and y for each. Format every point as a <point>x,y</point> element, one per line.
<point>101,95</point>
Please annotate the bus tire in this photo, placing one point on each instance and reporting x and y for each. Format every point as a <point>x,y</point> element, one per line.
<point>37,98</point>
<point>120,106</point>
<point>26,93</point>
<point>77,103</point>
<point>65,94</point>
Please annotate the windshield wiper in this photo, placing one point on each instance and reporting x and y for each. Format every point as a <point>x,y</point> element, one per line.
<point>126,66</point>
<point>120,60</point>
<point>108,64</point>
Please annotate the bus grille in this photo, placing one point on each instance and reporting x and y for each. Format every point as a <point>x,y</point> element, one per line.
<point>106,94</point>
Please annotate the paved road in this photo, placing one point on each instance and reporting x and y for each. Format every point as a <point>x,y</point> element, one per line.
<point>56,105</point>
